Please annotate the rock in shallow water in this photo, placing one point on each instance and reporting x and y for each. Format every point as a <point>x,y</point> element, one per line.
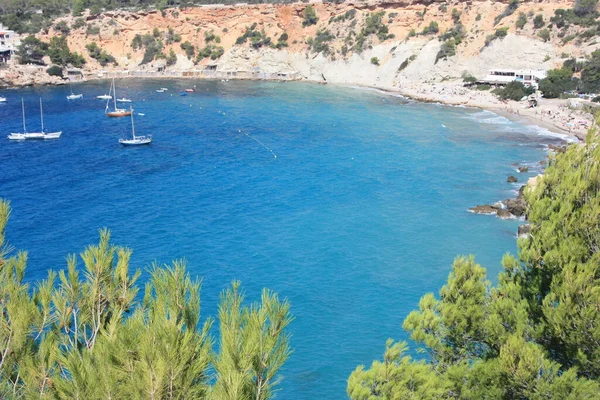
<point>484,209</point>
<point>524,230</point>
<point>511,179</point>
<point>523,169</point>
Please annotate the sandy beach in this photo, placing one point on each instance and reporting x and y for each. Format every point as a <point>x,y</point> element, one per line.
<point>551,114</point>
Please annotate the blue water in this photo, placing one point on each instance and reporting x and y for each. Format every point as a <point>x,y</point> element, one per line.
<point>361,213</point>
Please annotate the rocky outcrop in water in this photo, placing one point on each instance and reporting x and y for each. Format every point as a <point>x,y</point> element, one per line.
<point>511,179</point>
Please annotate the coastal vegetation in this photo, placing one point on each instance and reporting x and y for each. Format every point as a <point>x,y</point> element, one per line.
<point>534,334</point>
<point>93,330</point>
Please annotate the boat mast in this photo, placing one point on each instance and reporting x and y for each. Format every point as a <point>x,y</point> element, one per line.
<point>108,100</point>
<point>115,94</point>
<point>42,114</point>
<point>132,127</point>
<point>23,107</point>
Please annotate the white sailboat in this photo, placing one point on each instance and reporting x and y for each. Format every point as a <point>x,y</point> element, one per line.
<point>2,99</point>
<point>73,96</point>
<point>124,100</point>
<point>116,112</point>
<point>135,140</point>
<point>34,135</point>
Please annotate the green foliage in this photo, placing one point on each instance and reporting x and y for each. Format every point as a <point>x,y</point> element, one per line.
<point>79,23</point>
<point>282,41</point>
<point>320,42</point>
<point>374,60</point>
<point>209,36</point>
<point>499,34</point>
<point>257,38</point>
<point>534,334</point>
<point>456,15</point>
<point>431,29</point>
<point>513,91</point>
<point>448,49</point>
<point>190,50</point>
<point>32,50</point>
<point>55,70</point>
<point>544,34</point>
<point>62,28</point>
<point>468,78</point>
<point>59,53</point>
<point>574,65</point>
<point>92,331</point>
<point>590,76</point>
<point>585,7</point>
<point>538,21</point>
<point>156,33</point>
<point>171,58</point>
<point>457,33</point>
<point>557,82</point>
<point>374,26</point>
<point>173,37</point>
<point>347,16</point>
<point>310,16</point>
<point>509,10</point>
<point>212,51</point>
<point>100,55</point>
<point>93,30</point>
<point>521,21</point>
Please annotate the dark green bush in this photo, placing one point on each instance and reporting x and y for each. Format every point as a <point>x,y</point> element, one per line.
<point>55,70</point>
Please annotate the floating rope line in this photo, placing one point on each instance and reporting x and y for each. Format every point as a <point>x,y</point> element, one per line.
<point>259,142</point>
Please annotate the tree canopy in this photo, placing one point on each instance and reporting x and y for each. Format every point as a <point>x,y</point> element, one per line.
<point>90,331</point>
<point>533,335</point>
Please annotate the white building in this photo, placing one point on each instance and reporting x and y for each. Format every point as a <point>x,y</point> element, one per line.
<point>9,42</point>
<point>529,77</point>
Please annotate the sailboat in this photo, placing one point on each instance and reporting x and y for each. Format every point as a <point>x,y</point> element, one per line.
<point>117,112</point>
<point>73,96</point>
<point>136,140</point>
<point>34,135</point>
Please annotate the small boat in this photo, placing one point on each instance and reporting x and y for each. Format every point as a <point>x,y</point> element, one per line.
<point>160,91</point>
<point>135,140</point>
<point>104,97</point>
<point>141,114</point>
<point>189,90</point>
<point>2,99</point>
<point>34,135</point>
<point>183,94</point>
<point>164,89</point>
<point>116,112</point>
<point>124,100</point>
<point>73,96</point>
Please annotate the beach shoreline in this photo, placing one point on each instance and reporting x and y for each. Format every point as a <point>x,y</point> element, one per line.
<point>446,93</point>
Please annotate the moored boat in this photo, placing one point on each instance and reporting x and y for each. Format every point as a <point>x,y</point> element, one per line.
<point>34,135</point>
<point>135,140</point>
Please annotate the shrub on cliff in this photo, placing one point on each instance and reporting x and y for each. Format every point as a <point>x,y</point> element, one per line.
<point>538,21</point>
<point>92,330</point>
<point>59,53</point>
<point>521,21</point>
<point>544,34</point>
<point>431,29</point>
<point>62,28</point>
<point>55,70</point>
<point>499,34</point>
<point>509,10</point>
<point>585,7</point>
<point>100,55</point>
<point>32,50</point>
<point>447,49</point>
<point>310,16</point>
<point>189,49</point>
<point>374,60</point>
<point>532,335</point>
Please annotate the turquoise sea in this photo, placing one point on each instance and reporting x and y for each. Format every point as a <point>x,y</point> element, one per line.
<point>361,213</point>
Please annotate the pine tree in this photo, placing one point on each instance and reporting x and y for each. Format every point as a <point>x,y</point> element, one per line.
<point>86,333</point>
<point>535,334</point>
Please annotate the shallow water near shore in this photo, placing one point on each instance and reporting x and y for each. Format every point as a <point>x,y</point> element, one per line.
<point>361,212</point>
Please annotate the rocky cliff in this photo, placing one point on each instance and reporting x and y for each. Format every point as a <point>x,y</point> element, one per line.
<point>400,56</point>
